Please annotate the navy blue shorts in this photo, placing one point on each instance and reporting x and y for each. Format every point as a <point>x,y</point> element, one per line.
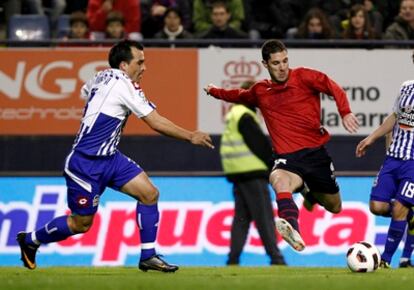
<point>88,176</point>
<point>395,180</point>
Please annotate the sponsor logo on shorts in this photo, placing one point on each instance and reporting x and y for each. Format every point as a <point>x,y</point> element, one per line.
<point>82,201</point>
<point>280,160</point>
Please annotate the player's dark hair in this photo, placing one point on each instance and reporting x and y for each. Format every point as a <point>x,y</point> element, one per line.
<point>122,52</point>
<point>272,46</point>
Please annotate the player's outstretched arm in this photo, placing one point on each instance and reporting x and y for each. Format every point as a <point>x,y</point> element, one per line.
<point>382,130</point>
<point>230,95</point>
<point>168,128</point>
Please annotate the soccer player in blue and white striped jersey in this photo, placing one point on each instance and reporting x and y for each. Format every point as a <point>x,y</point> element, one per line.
<point>392,193</point>
<point>95,162</point>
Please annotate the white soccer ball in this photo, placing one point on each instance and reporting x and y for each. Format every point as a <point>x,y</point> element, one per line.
<point>363,257</point>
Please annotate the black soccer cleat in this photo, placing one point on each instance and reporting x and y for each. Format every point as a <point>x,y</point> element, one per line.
<point>406,264</point>
<point>384,264</point>
<point>28,252</point>
<point>157,264</point>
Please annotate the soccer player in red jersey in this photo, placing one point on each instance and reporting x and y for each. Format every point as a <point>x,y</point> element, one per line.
<point>291,107</point>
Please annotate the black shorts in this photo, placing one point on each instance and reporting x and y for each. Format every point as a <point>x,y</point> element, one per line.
<point>313,165</point>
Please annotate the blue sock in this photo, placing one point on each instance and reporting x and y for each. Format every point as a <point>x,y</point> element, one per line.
<point>408,247</point>
<point>147,219</point>
<point>54,231</point>
<point>394,236</point>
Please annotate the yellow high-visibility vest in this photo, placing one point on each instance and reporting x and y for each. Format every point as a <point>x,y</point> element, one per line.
<point>236,157</point>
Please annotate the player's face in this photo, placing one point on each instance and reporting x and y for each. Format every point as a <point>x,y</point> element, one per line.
<point>278,66</point>
<point>136,67</point>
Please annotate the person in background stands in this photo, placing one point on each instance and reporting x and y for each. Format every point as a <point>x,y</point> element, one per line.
<point>202,14</point>
<point>358,25</point>
<point>131,10</point>
<point>115,25</point>
<point>79,27</point>
<point>173,29</point>
<point>315,25</point>
<point>221,29</point>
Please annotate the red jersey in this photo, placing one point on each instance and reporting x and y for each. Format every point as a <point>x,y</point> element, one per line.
<point>291,110</point>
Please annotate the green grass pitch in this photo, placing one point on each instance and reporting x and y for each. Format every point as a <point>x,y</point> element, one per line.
<point>199,278</point>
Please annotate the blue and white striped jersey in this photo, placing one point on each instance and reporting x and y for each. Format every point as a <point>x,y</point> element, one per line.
<point>403,132</point>
<point>111,97</point>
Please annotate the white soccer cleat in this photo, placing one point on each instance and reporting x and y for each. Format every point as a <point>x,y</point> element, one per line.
<point>290,235</point>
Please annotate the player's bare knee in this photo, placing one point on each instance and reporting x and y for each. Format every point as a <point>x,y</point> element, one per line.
<point>379,208</point>
<point>150,197</point>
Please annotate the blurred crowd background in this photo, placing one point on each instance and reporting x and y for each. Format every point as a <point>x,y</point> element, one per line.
<point>206,19</point>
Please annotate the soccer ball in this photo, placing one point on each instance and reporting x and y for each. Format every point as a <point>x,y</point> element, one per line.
<point>363,257</point>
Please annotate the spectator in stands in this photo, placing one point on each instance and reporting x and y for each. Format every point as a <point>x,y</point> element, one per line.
<point>272,18</point>
<point>115,25</point>
<point>315,25</point>
<point>202,14</point>
<point>153,12</point>
<point>79,27</point>
<point>403,26</point>
<point>221,29</point>
<point>54,10</point>
<point>358,25</point>
<point>337,11</point>
<point>98,11</point>
<point>173,28</point>
<point>375,17</point>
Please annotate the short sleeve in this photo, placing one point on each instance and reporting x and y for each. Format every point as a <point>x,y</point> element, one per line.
<point>133,97</point>
<point>86,88</point>
<point>396,105</point>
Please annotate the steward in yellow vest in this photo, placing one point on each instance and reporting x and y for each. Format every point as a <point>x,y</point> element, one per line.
<point>245,150</point>
<point>246,156</point>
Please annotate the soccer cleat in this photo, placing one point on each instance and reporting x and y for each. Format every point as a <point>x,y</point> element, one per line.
<point>157,264</point>
<point>384,264</point>
<point>290,235</point>
<point>28,252</point>
<point>406,264</point>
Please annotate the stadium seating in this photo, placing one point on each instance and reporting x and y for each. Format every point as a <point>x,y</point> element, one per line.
<point>29,27</point>
<point>63,26</point>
